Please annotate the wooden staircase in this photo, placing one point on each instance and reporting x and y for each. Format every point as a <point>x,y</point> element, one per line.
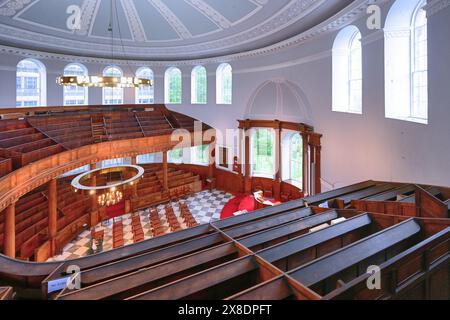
<point>98,129</point>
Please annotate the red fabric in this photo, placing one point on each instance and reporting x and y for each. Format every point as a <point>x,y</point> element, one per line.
<point>116,210</point>
<point>238,203</point>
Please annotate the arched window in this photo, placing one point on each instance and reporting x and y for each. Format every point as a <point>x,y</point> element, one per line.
<point>347,71</point>
<point>145,95</point>
<point>112,95</point>
<point>224,84</point>
<point>31,84</point>
<point>173,86</point>
<point>406,62</point>
<point>74,95</point>
<point>198,85</point>
<point>262,152</point>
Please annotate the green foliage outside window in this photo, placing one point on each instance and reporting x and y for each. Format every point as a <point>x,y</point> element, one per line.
<point>200,85</point>
<point>296,158</point>
<point>174,83</point>
<point>263,157</point>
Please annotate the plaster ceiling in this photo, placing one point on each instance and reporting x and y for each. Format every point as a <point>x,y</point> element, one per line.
<point>158,29</point>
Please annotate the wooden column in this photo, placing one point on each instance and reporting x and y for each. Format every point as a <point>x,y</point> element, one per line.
<point>10,231</point>
<point>305,171</point>
<point>165,172</point>
<point>52,214</point>
<point>278,162</point>
<point>247,178</point>
<point>134,160</point>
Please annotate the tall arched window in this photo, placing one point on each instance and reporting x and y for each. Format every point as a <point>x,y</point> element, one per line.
<point>145,95</point>
<point>347,71</point>
<point>112,95</point>
<point>173,86</point>
<point>224,84</point>
<point>406,62</point>
<point>31,84</point>
<point>262,152</point>
<point>199,85</point>
<point>74,95</point>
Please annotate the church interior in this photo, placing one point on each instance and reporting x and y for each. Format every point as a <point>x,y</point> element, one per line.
<point>224,150</point>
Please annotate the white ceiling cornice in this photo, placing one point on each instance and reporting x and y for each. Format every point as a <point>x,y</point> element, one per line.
<point>343,18</point>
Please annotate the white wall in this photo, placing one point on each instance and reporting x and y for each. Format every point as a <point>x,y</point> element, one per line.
<point>355,147</point>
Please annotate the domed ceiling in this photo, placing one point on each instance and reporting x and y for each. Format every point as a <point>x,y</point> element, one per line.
<point>158,29</point>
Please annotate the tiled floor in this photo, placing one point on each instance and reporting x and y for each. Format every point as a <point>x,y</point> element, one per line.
<point>205,206</point>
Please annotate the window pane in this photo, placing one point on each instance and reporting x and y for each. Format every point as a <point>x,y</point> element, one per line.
<point>262,150</point>
<point>199,85</point>
<point>224,84</point>
<point>355,75</point>
<point>28,84</point>
<point>296,158</point>
<point>75,95</point>
<point>112,95</point>
<point>173,84</point>
<point>145,95</point>
<point>420,67</point>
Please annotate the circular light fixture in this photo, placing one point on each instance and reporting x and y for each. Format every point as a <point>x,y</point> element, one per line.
<point>79,186</point>
<point>108,82</point>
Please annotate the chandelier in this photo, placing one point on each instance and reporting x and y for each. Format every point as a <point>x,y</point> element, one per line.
<point>110,198</point>
<point>105,81</point>
<point>108,184</point>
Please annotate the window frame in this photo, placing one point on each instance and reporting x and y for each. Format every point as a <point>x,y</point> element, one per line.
<point>221,96</point>
<point>85,89</point>
<point>150,96</point>
<point>167,85</point>
<point>41,85</point>
<point>113,90</point>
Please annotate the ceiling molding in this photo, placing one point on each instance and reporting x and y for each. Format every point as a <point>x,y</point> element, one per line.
<point>343,18</point>
<point>435,6</point>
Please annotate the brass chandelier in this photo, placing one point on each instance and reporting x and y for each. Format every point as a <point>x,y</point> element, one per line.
<point>105,81</point>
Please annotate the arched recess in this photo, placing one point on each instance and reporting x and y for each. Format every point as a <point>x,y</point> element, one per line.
<point>145,95</point>
<point>112,95</point>
<point>279,99</point>
<point>224,84</point>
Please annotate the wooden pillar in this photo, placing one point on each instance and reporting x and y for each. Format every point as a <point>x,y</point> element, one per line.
<point>305,173</point>
<point>10,231</point>
<point>52,214</point>
<point>165,172</point>
<point>247,178</point>
<point>278,162</point>
<point>134,160</point>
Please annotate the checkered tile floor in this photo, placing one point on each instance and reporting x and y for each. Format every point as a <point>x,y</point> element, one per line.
<point>205,206</point>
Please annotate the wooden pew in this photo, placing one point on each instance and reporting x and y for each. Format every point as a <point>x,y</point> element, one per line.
<point>392,194</point>
<point>154,276</point>
<point>347,232</point>
<point>384,244</point>
<point>6,293</point>
<point>404,276</point>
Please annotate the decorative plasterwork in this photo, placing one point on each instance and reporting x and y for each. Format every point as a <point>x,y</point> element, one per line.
<point>87,13</point>
<point>134,21</point>
<point>434,6</point>
<point>347,16</point>
<point>172,19</point>
<point>11,7</point>
<point>210,12</point>
<point>291,13</point>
